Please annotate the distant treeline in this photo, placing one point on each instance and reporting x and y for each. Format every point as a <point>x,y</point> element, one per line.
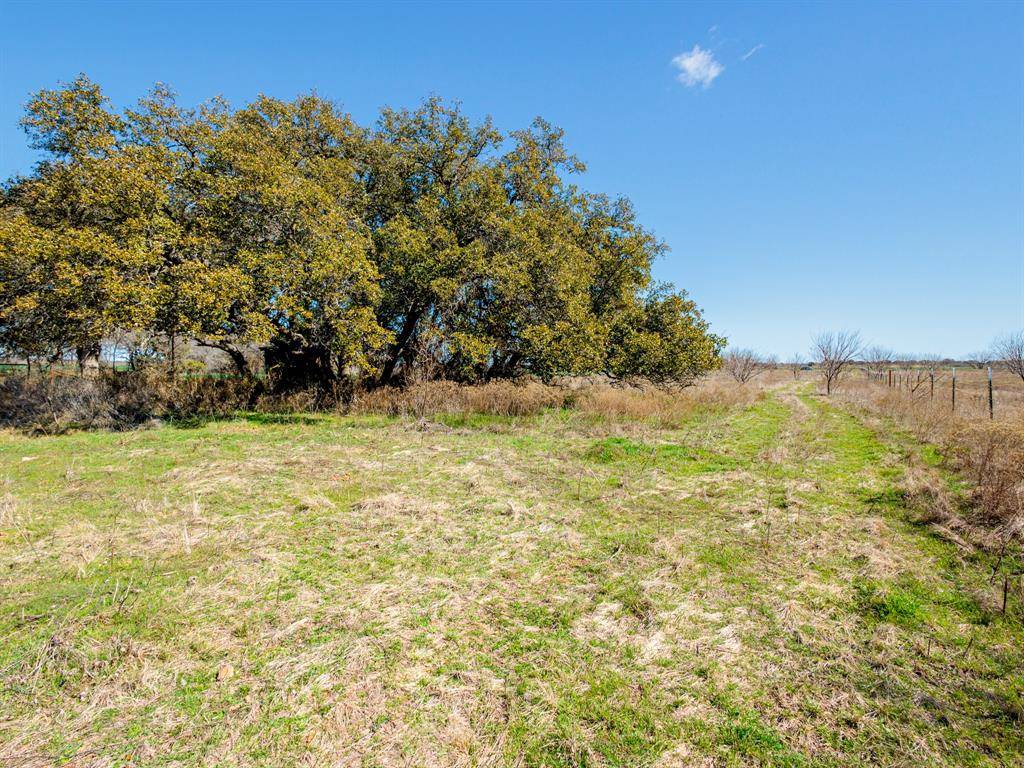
<point>425,243</point>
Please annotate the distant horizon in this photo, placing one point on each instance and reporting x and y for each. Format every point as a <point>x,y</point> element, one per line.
<point>113,353</point>
<point>811,168</point>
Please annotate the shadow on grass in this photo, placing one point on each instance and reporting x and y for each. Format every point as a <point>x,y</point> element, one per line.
<point>196,422</point>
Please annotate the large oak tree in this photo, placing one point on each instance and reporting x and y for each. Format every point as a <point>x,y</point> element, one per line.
<point>424,244</point>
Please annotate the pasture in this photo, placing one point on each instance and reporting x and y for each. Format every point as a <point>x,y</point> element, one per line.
<point>745,580</point>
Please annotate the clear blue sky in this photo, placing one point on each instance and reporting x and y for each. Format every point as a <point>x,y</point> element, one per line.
<point>811,166</point>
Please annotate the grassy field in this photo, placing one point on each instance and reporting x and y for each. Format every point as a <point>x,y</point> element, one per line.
<point>743,587</point>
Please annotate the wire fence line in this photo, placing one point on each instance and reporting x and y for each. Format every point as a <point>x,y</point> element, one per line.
<point>967,391</point>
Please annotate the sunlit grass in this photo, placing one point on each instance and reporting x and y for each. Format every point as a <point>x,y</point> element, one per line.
<point>742,583</point>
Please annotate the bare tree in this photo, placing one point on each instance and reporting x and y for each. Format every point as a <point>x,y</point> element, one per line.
<point>1009,350</point>
<point>835,351</point>
<point>877,360</point>
<point>742,364</point>
<point>979,359</point>
<point>795,363</point>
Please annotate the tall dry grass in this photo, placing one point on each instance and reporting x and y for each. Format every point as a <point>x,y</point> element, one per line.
<point>433,398</point>
<point>656,405</point>
<point>126,400</point>
<point>988,452</point>
<point>663,407</point>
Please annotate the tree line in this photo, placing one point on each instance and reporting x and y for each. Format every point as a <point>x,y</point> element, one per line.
<point>425,243</point>
<point>835,352</point>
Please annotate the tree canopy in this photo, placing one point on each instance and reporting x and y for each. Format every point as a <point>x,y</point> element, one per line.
<point>423,243</point>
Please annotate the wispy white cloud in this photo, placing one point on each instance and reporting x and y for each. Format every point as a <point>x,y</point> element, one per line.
<point>712,29</point>
<point>697,67</point>
<point>752,51</point>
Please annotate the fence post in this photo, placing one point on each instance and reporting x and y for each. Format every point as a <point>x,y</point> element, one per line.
<point>931,379</point>
<point>954,389</point>
<point>991,403</point>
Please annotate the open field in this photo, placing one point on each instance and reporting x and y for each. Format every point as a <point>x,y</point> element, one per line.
<point>744,581</point>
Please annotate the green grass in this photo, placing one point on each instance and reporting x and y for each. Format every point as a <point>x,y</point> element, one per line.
<point>746,588</point>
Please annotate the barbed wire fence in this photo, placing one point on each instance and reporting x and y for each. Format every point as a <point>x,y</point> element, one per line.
<point>943,382</point>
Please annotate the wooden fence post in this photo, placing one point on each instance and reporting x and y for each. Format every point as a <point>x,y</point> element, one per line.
<point>954,389</point>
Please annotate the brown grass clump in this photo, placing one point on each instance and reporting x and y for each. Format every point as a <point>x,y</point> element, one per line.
<point>929,497</point>
<point>992,456</point>
<point>502,398</point>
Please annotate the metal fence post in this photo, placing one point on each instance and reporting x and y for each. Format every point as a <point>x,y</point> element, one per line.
<point>991,403</point>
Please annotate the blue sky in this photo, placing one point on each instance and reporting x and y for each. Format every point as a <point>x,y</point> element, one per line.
<point>811,166</point>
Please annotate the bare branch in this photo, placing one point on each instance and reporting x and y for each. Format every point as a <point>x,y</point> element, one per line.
<point>1009,350</point>
<point>835,351</point>
<point>742,364</point>
<point>796,363</point>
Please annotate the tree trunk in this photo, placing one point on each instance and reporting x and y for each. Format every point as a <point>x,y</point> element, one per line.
<point>238,360</point>
<point>503,368</point>
<point>237,356</point>
<point>88,357</point>
<point>397,349</point>
<point>293,366</point>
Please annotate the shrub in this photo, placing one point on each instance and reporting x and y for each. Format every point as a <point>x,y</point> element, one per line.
<point>52,405</point>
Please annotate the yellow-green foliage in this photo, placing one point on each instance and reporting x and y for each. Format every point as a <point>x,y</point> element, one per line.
<point>422,243</point>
